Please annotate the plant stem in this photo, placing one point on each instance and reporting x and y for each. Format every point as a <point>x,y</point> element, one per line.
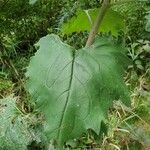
<point>97,23</point>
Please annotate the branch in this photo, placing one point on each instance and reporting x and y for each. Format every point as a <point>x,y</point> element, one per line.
<point>97,23</point>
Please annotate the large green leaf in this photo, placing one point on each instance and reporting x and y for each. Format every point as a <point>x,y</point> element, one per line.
<point>15,130</point>
<point>74,89</point>
<point>113,22</point>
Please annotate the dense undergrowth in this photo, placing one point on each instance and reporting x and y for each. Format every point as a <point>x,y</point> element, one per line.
<point>22,25</point>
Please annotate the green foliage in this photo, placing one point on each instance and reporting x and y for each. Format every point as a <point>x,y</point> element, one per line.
<point>134,15</point>
<point>5,87</point>
<point>13,129</point>
<point>75,88</point>
<point>140,53</point>
<point>113,22</point>
<point>76,39</point>
<point>32,21</point>
<point>147,27</point>
<point>18,130</point>
<point>32,1</point>
<point>21,25</point>
<point>89,4</point>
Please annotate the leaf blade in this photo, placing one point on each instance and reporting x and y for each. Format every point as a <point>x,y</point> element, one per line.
<point>75,89</point>
<point>113,22</point>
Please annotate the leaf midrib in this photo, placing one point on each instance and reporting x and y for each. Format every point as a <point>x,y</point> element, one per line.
<point>67,99</point>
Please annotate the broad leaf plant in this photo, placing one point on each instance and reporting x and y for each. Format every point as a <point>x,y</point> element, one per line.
<point>75,88</point>
<point>72,89</point>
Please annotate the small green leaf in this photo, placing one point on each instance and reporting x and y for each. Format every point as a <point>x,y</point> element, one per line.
<point>31,2</point>
<point>74,89</point>
<point>146,47</point>
<point>113,22</point>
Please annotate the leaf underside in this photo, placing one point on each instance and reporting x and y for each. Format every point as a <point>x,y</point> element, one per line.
<point>75,88</point>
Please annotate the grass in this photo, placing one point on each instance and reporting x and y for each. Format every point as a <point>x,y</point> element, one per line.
<point>129,128</point>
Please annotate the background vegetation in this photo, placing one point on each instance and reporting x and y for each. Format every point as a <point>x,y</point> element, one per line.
<point>22,24</point>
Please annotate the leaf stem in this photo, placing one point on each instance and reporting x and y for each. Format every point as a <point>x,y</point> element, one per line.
<point>97,23</point>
